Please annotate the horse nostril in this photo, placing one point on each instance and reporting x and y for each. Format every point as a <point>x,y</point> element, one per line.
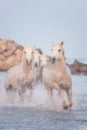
<point>53,58</point>
<point>36,64</point>
<point>28,61</point>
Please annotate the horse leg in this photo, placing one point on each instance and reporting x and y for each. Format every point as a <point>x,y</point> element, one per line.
<point>69,95</point>
<point>10,93</point>
<point>31,93</point>
<point>21,98</point>
<point>49,99</point>
<point>61,94</point>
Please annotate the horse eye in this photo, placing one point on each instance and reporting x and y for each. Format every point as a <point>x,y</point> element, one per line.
<point>59,50</point>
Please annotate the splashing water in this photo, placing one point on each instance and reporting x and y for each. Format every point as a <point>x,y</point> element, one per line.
<point>40,95</point>
<point>16,116</point>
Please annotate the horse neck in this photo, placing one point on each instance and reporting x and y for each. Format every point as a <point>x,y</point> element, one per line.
<point>61,64</point>
<point>26,67</point>
<point>32,64</point>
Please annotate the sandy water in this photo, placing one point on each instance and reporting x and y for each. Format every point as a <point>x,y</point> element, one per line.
<point>27,116</point>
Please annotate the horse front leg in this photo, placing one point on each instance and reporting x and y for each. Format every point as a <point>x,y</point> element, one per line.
<point>21,98</point>
<point>49,103</point>
<point>31,93</point>
<point>69,95</point>
<point>61,94</point>
<point>49,100</point>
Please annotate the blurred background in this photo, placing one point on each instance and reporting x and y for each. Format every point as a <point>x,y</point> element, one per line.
<point>42,22</point>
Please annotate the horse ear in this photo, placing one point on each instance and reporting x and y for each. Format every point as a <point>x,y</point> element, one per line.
<point>61,43</point>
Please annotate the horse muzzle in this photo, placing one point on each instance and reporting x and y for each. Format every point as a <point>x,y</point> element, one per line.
<point>37,65</point>
<point>53,60</point>
<point>28,62</point>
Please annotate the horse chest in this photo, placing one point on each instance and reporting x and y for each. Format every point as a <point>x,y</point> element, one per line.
<point>25,79</point>
<point>30,78</point>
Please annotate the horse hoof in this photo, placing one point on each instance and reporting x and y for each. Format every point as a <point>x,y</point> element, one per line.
<point>70,105</point>
<point>65,107</point>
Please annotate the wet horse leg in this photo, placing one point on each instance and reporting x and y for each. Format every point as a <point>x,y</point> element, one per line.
<point>31,93</point>
<point>21,98</point>
<point>49,100</point>
<point>61,94</point>
<point>69,95</point>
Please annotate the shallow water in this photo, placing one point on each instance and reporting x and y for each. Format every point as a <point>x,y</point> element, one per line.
<point>16,116</point>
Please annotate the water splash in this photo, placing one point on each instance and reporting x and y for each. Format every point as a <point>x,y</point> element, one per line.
<point>40,95</point>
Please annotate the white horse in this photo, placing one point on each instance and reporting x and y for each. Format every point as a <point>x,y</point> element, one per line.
<point>56,75</point>
<point>22,75</point>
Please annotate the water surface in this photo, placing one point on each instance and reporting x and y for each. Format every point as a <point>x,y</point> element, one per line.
<point>14,116</point>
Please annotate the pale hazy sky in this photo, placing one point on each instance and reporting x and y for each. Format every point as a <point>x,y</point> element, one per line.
<point>42,21</point>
